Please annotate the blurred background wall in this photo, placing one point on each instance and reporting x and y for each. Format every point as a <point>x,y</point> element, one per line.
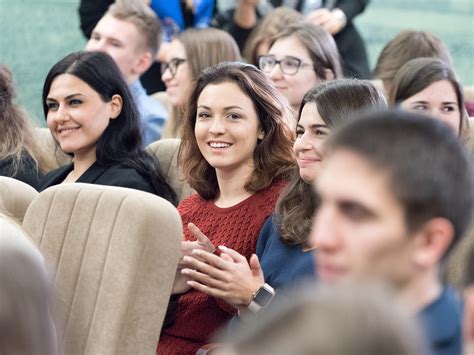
<point>34,34</point>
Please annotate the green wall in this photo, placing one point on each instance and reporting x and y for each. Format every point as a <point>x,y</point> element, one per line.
<point>34,34</point>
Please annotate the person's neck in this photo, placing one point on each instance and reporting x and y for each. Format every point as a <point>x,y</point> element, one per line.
<point>82,162</point>
<point>421,291</point>
<point>231,188</point>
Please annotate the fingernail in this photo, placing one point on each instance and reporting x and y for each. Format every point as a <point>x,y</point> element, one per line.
<point>222,247</point>
<point>197,251</point>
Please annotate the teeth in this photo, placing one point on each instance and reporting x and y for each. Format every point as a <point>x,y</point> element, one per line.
<point>219,145</point>
<point>67,130</point>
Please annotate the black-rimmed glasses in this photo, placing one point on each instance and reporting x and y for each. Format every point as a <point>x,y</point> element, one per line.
<point>172,65</point>
<point>288,65</point>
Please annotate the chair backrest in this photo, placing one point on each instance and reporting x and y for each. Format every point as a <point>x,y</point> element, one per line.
<point>51,147</point>
<point>166,151</point>
<point>114,252</point>
<point>15,197</point>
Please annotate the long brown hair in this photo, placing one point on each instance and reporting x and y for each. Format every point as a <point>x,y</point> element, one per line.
<point>273,154</point>
<point>17,133</point>
<point>337,101</point>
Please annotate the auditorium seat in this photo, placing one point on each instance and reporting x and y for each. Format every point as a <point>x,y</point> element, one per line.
<point>113,253</point>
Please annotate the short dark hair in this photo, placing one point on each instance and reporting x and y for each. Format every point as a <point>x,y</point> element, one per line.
<point>273,154</point>
<point>121,141</point>
<point>429,170</point>
<point>417,75</point>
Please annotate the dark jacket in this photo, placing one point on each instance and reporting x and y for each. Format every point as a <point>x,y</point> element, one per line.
<point>26,171</point>
<point>116,175</point>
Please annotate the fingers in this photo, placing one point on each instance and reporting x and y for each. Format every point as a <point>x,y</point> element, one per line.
<point>206,258</point>
<point>201,238</point>
<point>237,257</point>
<point>206,289</point>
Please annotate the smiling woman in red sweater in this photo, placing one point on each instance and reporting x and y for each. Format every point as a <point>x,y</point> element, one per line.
<point>236,153</point>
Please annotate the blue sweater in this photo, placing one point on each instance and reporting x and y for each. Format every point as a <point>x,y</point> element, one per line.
<point>283,266</point>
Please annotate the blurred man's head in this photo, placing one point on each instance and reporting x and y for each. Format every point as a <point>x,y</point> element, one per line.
<point>396,193</point>
<point>130,33</point>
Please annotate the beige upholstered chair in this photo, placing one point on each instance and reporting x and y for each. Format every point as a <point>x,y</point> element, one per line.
<point>166,151</point>
<point>47,141</point>
<point>15,197</point>
<point>115,252</point>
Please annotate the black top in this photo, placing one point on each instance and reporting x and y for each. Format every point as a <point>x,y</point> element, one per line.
<point>27,170</point>
<point>116,175</point>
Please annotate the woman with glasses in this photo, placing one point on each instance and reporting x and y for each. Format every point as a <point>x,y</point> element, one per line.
<point>188,55</point>
<point>301,56</point>
<point>236,153</point>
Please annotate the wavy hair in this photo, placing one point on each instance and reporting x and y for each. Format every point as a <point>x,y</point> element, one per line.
<point>17,132</point>
<point>273,154</point>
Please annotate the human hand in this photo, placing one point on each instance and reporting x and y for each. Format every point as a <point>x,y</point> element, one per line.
<point>228,276</point>
<point>202,243</point>
<point>328,20</point>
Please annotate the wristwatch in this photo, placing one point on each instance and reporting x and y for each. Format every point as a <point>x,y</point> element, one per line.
<point>261,298</point>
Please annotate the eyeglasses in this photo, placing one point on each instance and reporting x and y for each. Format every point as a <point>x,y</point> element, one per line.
<point>288,65</point>
<point>172,65</point>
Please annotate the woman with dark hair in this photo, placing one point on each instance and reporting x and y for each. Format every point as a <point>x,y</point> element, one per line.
<point>282,258</point>
<point>236,153</point>
<point>92,116</point>
<point>21,156</point>
<point>431,86</point>
<point>300,56</point>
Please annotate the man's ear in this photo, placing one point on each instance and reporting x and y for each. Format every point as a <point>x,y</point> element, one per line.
<point>116,106</point>
<point>432,241</point>
<point>143,63</point>
<point>328,74</point>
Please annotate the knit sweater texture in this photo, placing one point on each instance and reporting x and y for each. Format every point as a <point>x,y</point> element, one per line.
<point>200,315</point>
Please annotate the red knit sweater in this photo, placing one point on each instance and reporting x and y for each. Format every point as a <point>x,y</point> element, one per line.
<point>236,227</point>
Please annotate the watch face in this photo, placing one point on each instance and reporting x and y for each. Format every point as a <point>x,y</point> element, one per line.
<point>262,297</point>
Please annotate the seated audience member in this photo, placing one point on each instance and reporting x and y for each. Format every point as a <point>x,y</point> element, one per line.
<point>187,56</point>
<point>300,56</point>
<point>405,46</point>
<point>346,319</point>
<point>430,86</point>
<point>396,193</point>
<point>335,17</point>
<point>282,246</point>
<point>130,33</point>
<point>258,42</point>
<point>236,153</point>
<point>21,156</point>
<point>26,323</point>
<point>92,116</point>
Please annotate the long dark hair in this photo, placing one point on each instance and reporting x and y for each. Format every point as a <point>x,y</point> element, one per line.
<point>337,101</point>
<point>121,142</point>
